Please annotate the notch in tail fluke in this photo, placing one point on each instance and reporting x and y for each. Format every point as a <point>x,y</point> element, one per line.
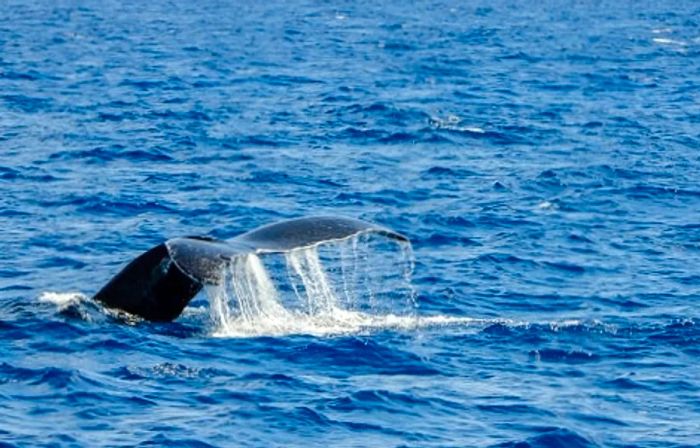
<point>158,284</point>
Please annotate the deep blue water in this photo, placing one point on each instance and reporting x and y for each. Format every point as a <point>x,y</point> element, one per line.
<point>543,157</point>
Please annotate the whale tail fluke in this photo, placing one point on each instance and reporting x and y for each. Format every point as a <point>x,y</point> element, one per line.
<point>150,286</point>
<point>158,284</point>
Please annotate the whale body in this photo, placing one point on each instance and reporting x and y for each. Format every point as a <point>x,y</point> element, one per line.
<point>158,284</point>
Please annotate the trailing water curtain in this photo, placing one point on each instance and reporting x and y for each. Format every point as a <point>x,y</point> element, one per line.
<point>158,284</point>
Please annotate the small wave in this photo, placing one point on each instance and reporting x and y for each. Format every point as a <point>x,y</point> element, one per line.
<point>113,153</point>
<point>77,305</point>
<point>667,41</point>
<point>455,123</point>
<point>565,356</point>
<point>63,300</point>
<point>27,104</point>
<point>557,437</point>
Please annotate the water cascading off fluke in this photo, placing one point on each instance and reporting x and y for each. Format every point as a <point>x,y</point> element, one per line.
<point>159,283</point>
<point>319,290</point>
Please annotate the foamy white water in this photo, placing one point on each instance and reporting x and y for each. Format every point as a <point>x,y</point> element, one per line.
<point>249,303</point>
<point>246,297</point>
<point>62,300</point>
<point>341,322</point>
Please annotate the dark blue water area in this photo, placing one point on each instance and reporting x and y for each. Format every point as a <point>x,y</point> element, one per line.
<point>543,157</point>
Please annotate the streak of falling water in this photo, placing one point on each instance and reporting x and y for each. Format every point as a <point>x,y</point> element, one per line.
<point>409,264</point>
<point>320,297</point>
<point>255,299</point>
<point>359,292</point>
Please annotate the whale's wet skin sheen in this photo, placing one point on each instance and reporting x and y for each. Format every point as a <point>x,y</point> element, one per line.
<point>541,158</point>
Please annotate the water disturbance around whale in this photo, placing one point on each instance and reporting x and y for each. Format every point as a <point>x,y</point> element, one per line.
<point>349,285</point>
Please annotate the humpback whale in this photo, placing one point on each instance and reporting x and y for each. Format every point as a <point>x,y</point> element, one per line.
<point>158,284</point>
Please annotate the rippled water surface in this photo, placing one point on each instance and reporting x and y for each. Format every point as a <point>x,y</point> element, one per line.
<point>543,158</point>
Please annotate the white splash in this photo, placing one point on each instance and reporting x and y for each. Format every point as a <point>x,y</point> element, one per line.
<point>343,322</point>
<point>455,123</point>
<point>63,300</point>
<point>317,300</point>
<point>256,299</point>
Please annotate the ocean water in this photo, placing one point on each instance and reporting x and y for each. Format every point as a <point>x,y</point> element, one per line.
<point>543,158</point>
